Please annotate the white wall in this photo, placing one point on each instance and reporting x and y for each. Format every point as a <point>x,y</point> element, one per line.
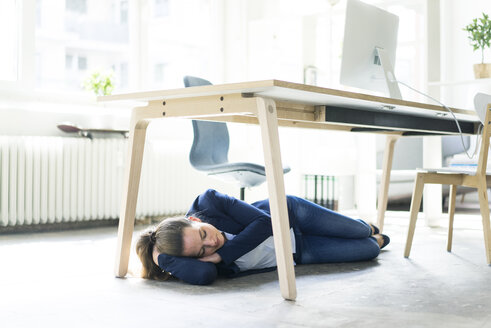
<point>457,55</point>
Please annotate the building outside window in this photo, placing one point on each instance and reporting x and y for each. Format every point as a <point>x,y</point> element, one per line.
<point>180,34</point>
<point>73,38</point>
<point>78,37</point>
<point>160,8</point>
<point>159,72</point>
<point>78,6</point>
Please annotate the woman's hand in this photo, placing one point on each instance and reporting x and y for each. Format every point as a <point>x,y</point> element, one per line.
<point>213,258</point>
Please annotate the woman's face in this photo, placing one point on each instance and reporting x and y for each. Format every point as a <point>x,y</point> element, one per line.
<point>201,239</point>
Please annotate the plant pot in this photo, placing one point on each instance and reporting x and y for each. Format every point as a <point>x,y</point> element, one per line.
<point>482,71</point>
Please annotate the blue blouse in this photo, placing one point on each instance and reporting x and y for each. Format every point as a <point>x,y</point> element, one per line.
<point>261,257</point>
<point>250,223</point>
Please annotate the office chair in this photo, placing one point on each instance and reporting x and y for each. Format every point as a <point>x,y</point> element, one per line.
<point>209,152</point>
<point>476,178</point>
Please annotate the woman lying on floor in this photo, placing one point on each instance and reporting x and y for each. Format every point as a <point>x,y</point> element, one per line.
<point>221,235</point>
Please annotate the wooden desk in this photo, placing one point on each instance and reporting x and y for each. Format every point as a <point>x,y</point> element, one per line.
<point>270,104</point>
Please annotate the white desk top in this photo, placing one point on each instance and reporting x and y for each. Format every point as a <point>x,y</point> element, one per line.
<point>301,93</point>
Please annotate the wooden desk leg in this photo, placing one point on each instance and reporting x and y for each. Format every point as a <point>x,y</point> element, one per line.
<point>277,198</point>
<point>451,215</point>
<point>136,143</point>
<point>484,206</point>
<point>419,184</point>
<point>385,180</point>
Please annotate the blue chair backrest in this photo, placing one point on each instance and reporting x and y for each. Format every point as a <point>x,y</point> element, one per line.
<point>211,139</point>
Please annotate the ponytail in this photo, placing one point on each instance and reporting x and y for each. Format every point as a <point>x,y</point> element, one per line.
<point>166,238</point>
<point>144,249</point>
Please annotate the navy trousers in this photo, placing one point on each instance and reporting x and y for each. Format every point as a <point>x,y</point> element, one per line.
<point>326,236</point>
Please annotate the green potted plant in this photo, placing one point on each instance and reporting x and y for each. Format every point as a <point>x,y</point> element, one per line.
<point>99,82</point>
<point>480,38</point>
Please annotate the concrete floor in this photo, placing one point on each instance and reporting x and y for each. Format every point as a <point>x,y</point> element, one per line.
<point>65,279</point>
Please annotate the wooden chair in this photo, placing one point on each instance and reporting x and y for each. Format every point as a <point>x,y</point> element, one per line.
<point>475,178</point>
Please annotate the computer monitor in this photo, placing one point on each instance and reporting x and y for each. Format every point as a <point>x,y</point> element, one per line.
<point>369,49</point>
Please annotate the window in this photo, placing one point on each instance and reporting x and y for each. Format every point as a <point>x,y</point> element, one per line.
<point>68,62</point>
<point>9,34</point>
<point>78,6</point>
<point>76,38</point>
<point>39,5</point>
<point>82,63</point>
<point>159,73</point>
<point>161,8</point>
<point>63,42</point>
<point>122,72</point>
<point>186,49</point>
<point>123,12</point>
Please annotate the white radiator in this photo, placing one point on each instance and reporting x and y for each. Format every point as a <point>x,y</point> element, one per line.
<point>54,179</point>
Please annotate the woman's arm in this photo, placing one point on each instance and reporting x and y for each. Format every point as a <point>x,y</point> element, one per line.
<point>188,269</point>
<point>255,224</point>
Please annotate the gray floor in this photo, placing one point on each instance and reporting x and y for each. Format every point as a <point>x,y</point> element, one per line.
<point>66,279</point>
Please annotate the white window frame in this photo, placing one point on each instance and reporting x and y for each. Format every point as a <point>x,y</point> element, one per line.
<point>26,44</point>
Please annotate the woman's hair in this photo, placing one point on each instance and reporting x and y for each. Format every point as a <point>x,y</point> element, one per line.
<point>166,237</point>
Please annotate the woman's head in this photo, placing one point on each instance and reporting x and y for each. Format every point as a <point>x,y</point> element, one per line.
<point>179,237</point>
<point>165,238</point>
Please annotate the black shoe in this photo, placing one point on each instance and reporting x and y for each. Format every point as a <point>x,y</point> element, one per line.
<point>386,240</point>
<point>375,229</point>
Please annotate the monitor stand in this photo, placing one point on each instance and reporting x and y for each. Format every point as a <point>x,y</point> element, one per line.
<point>392,84</point>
